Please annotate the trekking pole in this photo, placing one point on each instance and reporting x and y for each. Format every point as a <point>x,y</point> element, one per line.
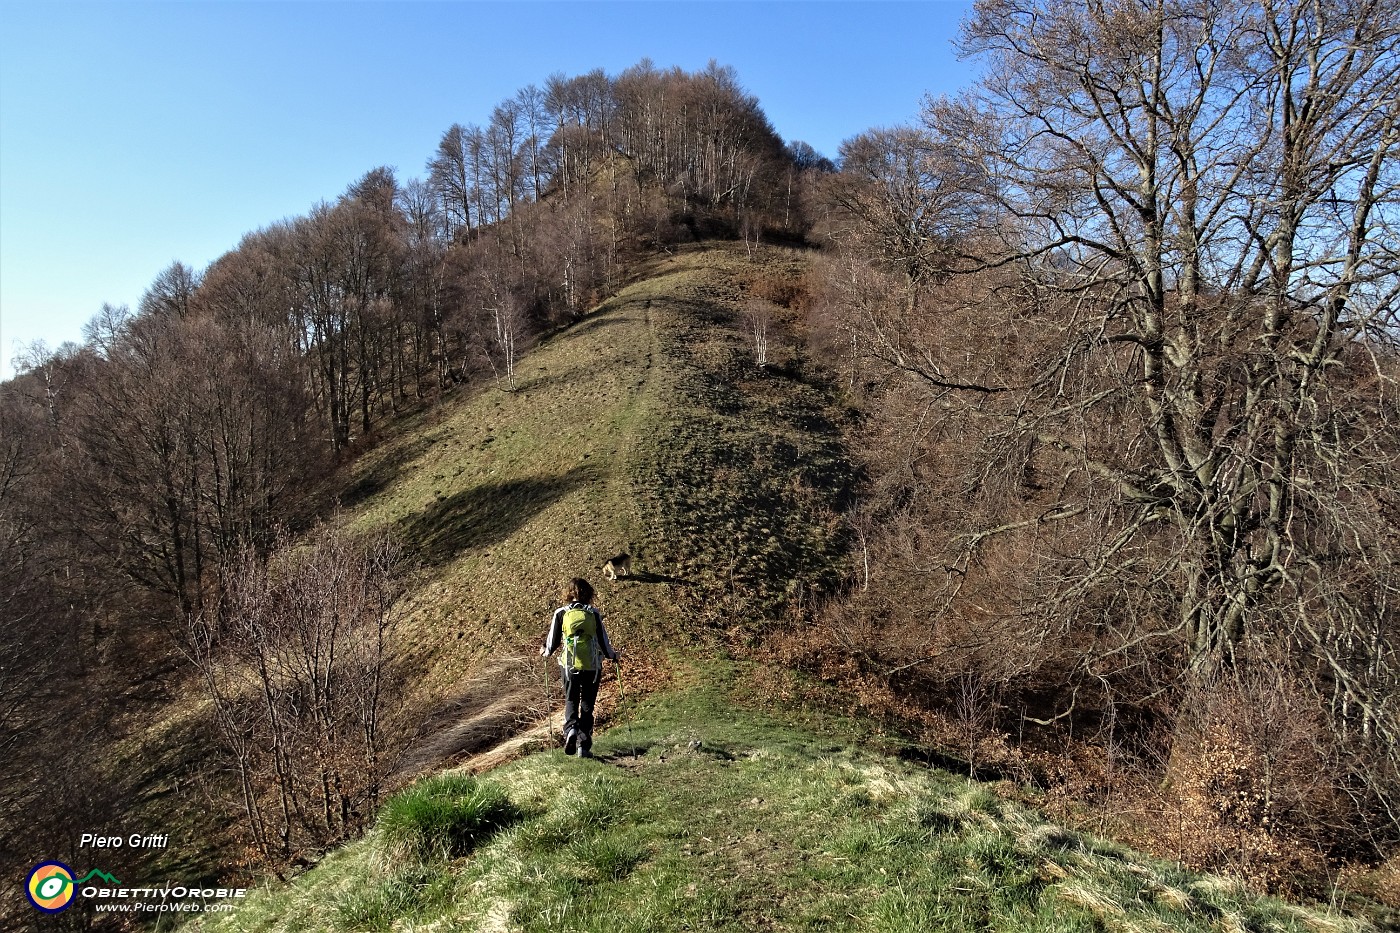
<point>622,702</point>
<point>548,704</point>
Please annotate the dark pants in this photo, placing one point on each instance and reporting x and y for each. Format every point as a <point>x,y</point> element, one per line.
<point>580,693</point>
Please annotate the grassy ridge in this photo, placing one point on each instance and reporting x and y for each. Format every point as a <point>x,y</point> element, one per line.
<point>502,496</point>
<point>704,815</point>
<point>746,482</point>
<point>647,427</point>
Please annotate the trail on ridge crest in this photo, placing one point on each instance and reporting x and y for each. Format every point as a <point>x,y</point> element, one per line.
<point>647,427</point>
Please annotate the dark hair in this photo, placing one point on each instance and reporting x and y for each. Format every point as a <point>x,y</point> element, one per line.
<point>579,591</point>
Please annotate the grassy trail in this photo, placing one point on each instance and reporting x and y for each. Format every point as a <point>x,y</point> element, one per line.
<point>646,428</point>
<point>501,498</point>
<point>707,814</point>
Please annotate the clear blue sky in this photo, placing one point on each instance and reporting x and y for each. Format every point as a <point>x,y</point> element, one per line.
<point>135,134</point>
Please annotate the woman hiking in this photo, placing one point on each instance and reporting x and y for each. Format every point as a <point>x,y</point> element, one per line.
<point>577,627</point>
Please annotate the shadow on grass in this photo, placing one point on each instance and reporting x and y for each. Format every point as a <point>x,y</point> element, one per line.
<point>390,466</point>
<point>600,320</point>
<point>654,578</point>
<point>606,316</point>
<point>933,758</point>
<point>571,376</point>
<point>497,702</point>
<point>169,792</point>
<point>485,514</point>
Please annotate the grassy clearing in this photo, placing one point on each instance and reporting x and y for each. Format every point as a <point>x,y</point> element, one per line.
<point>705,815</point>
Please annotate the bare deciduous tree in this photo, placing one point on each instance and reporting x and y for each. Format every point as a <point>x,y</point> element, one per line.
<point>296,663</point>
<point>909,196</point>
<point>759,316</point>
<point>1157,355</point>
<point>452,174</point>
<point>1209,187</point>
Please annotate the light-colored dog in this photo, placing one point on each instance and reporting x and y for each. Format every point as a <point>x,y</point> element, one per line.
<point>620,564</point>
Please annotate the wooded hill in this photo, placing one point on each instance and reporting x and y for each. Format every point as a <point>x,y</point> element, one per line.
<point>1064,447</point>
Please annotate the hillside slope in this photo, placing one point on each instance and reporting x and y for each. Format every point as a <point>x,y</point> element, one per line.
<point>644,428</point>
<point>647,427</point>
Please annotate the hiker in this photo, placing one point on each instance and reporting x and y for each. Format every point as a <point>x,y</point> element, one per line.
<point>577,627</point>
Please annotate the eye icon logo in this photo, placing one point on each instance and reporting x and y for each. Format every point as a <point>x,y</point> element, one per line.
<point>50,887</point>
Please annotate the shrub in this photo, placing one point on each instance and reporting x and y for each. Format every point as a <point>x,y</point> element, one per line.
<point>1249,792</point>
<point>785,290</point>
<point>444,817</point>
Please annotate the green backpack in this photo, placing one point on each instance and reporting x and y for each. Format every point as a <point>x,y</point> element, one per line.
<point>580,630</point>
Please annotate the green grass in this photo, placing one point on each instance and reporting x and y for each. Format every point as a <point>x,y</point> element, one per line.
<point>443,817</point>
<point>702,814</point>
<point>411,892</point>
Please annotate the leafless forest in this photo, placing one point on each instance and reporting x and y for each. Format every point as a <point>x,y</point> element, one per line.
<point>1120,325</point>
<point>1124,321</point>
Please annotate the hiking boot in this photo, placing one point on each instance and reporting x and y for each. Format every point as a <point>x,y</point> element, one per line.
<point>585,748</point>
<point>570,742</point>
